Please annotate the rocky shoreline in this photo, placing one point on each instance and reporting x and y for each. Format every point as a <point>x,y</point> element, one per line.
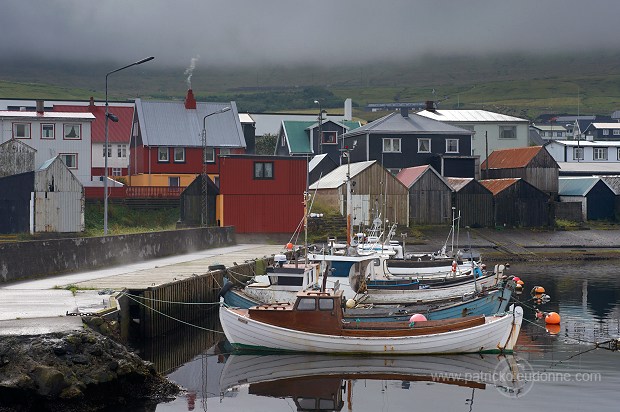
<point>80,371</point>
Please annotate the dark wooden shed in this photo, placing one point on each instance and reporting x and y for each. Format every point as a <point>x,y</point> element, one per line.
<point>596,197</point>
<point>533,164</point>
<point>430,196</point>
<point>192,202</point>
<point>473,201</point>
<point>517,203</point>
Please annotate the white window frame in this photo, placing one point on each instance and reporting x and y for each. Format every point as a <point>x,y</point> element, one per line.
<point>76,128</point>
<point>618,153</point>
<point>109,150</point>
<point>179,155</point>
<point>65,156</point>
<point>225,151</point>
<point>121,150</point>
<point>330,133</point>
<point>263,170</point>
<point>391,145</point>
<point>616,132</point>
<point>25,128</point>
<point>53,135</point>
<point>210,155</point>
<point>504,129</point>
<point>605,132</point>
<point>174,179</point>
<point>117,171</point>
<point>599,153</point>
<point>420,141</point>
<point>163,154</point>
<point>578,153</point>
<point>448,141</point>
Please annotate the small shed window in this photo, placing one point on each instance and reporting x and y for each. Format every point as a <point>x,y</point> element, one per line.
<point>263,170</point>
<point>72,131</point>
<point>21,130</point>
<point>163,155</point>
<point>209,156</point>
<point>326,304</point>
<point>306,304</point>
<point>391,145</point>
<point>329,137</point>
<point>174,181</point>
<point>47,131</point>
<point>508,132</point>
<point>577,153</point>
<point>452,145</point>
<point>424,145</point>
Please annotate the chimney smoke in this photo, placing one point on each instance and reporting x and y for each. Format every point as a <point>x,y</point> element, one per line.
<point>190,71</point>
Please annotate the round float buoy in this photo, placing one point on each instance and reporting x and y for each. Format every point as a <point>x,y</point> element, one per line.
<point>553,329</point>
<point>289,246</point>
<point>351,303</point>
<point>538,290</point>
<point>453,266</point>
<point>520,282</point>
<point>552,318</point>
<point>516,279</point>
<point>417,317</point>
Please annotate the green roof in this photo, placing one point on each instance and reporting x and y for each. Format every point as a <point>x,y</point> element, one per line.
<point>297,136</point>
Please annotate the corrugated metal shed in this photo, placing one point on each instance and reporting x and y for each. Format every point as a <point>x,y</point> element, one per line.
<point>410,175</point>
<point>430,196</point>
<point>473,201</point>
<point>469,116</point>
<point>171,124</point>
<point>338,177</point>
<point>395,123</point>
<point>498,185</point>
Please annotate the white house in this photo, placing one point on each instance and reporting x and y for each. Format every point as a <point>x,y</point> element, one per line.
<point>550,131</point>
<point>498,131</point>
<point>63,134</point>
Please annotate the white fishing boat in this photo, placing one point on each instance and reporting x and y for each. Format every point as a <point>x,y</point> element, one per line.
<point>314,323</point>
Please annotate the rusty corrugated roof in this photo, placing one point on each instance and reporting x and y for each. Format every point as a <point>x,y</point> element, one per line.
<point>498,185</point>
<point>409,175</point>
<point>458,183</point>
<point>511,158</point>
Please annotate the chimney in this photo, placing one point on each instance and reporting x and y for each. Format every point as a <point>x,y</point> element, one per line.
<point>190,101</point>
<point>40,107</point>
<point>91,104</point>
<point>404,111</point>
<point>348,109</point>
<point>430,106</point>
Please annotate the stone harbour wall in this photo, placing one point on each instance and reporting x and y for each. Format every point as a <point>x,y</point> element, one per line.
<point>40,258</point>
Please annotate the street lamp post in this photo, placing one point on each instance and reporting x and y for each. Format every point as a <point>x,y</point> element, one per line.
<point>109,115</point>
<point>205,176</point>
<point>320,140</point>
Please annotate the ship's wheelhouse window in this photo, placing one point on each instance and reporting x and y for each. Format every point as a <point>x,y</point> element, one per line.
<point>306,304</point>
<point>326,304</point>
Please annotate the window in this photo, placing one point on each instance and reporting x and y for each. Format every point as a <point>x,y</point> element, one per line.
<point>424,145</point>
<point>306,304</point>
<point>616,132</point>
<point>619,153</point>
<point>210,155</point>
<point>224,152</point>
<point>559,134</point>
<point>121,150</point>
<point>163,154</point>
<point>109,150</point>
<point>391,145</point>
<point>452,145</point>
<point>263,170</point>
<point>116,171</point>
<point>329,137</point>
<point>508,132</point>
<point>600,153</point>
<point>70,159</point>
<point>179,155</point>
<point>72,131</point>
<point>605,132</point>
<point>47,131</point>
<point>577,153</point>
<point>283,141</point>
<point>21,130</point>
<point>326,304</point>
<point>174,181</point>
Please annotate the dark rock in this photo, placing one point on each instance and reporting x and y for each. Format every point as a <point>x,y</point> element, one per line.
<point>71,392</point>
<point>80,359</point>
<point>113,365</point>
<point>49,381</point>
<point>95,350</point>
<point>60,350</point>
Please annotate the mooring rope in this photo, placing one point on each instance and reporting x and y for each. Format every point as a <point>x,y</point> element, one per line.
<point>173,318</point>
<point>169,301</point>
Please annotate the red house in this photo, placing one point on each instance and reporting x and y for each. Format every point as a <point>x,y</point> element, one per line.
<point>262,194</point>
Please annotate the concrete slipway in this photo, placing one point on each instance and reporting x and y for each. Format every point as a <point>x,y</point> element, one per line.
<point>40,306</point>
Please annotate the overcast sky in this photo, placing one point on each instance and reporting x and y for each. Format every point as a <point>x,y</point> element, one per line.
<point>248,32</point>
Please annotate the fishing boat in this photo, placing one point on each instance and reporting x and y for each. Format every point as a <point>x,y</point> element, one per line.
<point>315,323</point>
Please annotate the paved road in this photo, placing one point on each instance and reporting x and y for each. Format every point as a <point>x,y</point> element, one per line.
<point>22,303</point>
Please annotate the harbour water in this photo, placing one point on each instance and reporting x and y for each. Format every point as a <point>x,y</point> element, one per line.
<point>558,369</point>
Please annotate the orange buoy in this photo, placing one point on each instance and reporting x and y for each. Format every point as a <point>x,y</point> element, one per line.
<point>539,290</point>
<point>289,246</point>
<point>553,329</point>
<point>520,282</point>
<point>552,318</point>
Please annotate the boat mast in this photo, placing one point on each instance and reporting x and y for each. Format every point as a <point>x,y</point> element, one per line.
<point>349,198</point>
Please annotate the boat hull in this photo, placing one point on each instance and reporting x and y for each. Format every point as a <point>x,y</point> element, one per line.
<point>498,334</point>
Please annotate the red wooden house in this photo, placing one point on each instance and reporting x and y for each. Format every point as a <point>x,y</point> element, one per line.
<point>262,194</point>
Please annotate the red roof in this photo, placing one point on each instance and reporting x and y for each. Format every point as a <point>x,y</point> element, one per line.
<point>117,132</point>
<point>511,158</point>
<point>498,185</point>
<point>409,175</point>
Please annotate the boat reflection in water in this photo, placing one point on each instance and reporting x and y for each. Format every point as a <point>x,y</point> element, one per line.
<point>323,382</point>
